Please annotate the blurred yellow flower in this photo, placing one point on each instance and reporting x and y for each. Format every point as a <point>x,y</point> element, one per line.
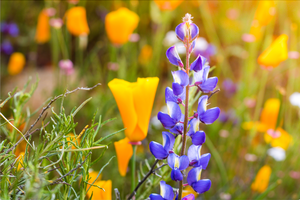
<point>145,55</point>
<point>120,24</point>
<point>20,148</point>
<point>264,14</point>
<point>42,34</point>
<point>275,53</point>
<point>99,194</point>
<point>72,138</point>
<point>262,179</point>
<point>135,101</point>
<point>168,5</point>
<point>124,152</point>
<point>77,22</point>
<point>16,63</point>
<point>283,140</point>
<point>20,160</point>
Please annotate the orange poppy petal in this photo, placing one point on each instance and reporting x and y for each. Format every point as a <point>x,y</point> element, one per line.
<point>99,194</point>
<point>42,34</point>
<point>167,5</point>
<point>262,179</point>
<point>16,63</point>
<point>283,141</point>
<point>270,112</point>
<point>77,22</point>
<point>124,153</point>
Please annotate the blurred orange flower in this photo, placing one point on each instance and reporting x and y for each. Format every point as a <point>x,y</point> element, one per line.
<point>145,55</point>
<point>168,5</point>
<point>120,24</point>
<point>124,152</point>
<point>135,101</point>
<point>77,22</point>
<point>42,34</point>
<point>264,14</point>
<point>16,63</point>
<point>275,53</point>
<point>20,160</point>
<point>262,179</point>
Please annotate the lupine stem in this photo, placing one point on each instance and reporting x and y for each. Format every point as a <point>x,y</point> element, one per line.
<point>186,113</point>
<point>133,167</point>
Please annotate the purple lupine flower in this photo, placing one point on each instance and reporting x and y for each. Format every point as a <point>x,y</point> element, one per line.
<point>174,116</point>
<point>173,57</point>
<point>187,29</point>
<point>162,151</point>
<point>195,181</point>
<point>198,137</point>
<point>177,163</point>
<point>166,192</point>
<point>229,87</point>
<point>195,157</point>
<point>204,83</point>
<point>170,96</point>
<point>6,47</point>
<point>198,64</point>
<point>204,48</point>
<point>181,80</point>
<point>10,29</point>
<point>204,115</point>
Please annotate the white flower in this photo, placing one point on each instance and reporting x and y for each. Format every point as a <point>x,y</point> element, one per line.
<point>295,99</point>
<point>201,44</point>
<point>180,48</point>
<point>277,153</point>
<point>170,38</point>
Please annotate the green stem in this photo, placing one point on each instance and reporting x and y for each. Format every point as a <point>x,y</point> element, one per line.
<point>186,112</point>
<point>133,167</point>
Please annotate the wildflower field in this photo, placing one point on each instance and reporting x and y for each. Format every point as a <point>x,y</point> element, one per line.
<point>156,100</point>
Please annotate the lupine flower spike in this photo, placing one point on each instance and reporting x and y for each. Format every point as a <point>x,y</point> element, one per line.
<point>179,123</point>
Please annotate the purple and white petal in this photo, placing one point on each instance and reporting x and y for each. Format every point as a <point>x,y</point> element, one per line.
<point>183,162</point>
<point>173,160</point>
<point>174,111</point>
<point>203,161</point>
<point>180,31</point>
<point>166,191</point>
<point>158,150</point>
<point>194,126</point>
<point>177,89</point>
<point>173,56</point>
<point>181,77</point>
<point>177,129</point>
<point>156,197</point>
<point>210,115</point>
<point>202,104</point>
<point>169,95</point>
<point>194,153</point>
<point>168,141</point>
<point>202,186</point>
<point>192,46</point>
<point>209,85</point>
<point>176,175</point>
<point>194,30</point>
<point>198,64</point>
<point>194,175</point>
<point>198,138</point>
<point>166,120</point>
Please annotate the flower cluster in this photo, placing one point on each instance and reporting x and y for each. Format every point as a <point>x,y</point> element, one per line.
<point>178,123</point>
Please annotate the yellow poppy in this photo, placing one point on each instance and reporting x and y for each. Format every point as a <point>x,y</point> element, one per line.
<point>145,55</point>
<point>71,137</point>
<point>120,24</point>
<point>264,13</point>
<point>20,160</point>
<point>167,5</point>
<point>99,194</point>
<point>42,34</point>
<point>262,179</point>
<point>77,22</point>
<point>124,152</point>
<point>135,101</point>
<point>275,53</point>
<point>282,141</point>
<point>268,117</point>
<point>16,63</point>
